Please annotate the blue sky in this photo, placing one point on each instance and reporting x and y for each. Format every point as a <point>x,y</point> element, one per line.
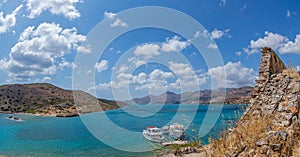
<point>39,41</point>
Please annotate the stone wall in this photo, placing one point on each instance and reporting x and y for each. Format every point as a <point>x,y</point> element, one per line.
<point>270,126</point>
<point>276,95</point>
<point>270,64</point>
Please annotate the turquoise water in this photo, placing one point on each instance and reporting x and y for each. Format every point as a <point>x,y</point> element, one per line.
<point>50,136</point>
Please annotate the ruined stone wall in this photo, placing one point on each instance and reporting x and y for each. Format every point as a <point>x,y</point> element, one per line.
<point>270,64</point>
<point>270,126</point>
<point>276,95</point>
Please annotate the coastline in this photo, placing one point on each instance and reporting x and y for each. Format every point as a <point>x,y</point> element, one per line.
<point>76,114</point>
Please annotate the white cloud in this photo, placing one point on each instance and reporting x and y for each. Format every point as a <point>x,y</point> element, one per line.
<point>197,35</point>
<point>67,64</point>
<point>244,7</point>
<point>237,75</point>
<point>116,22</point>
<point>291,46</point>
<point>222,3</point>
<point>186,76</point>
<point>110,15</point>
<point>101,66</point>
<point>158,75</point>
<point>46,79</point>
<point>174,44</point>
<point>147,50</point>
<point>298,68</point>
<point>83,49</point>
<point>119,23</point>
<point>8,21</point>
<point>57,7</point>
<point>277,42</point>
<point>212,46</point>
<point>288,13</point>
<point>238,53</point>
<point>38,51</point>
<point>217,34</point>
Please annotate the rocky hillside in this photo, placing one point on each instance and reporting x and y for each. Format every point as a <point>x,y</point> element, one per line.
<point>240,95</point>
<point>270,126</point>
<point>48,99</point>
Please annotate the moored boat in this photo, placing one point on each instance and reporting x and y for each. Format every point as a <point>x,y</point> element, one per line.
<point>153,134</point>
<point>176,131</point>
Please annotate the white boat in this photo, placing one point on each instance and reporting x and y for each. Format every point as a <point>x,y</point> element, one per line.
<point>176,131</point>
<point>154,134</point>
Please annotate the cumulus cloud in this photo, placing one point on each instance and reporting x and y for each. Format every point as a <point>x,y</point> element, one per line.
<point>277,42</point>
<point>58,7</point>
<point>116,22</point>
<point>38,51</point>
<point>291,46</point>
<point>101,66</point>
<point>237,75</point>
<point>212,46</point>
<point>147,50</point>
<point>46,79</point>
<point>174,44</point>
<point>8,21</point>
<point>217,34</point>
<point>63,64</point>
<point>186,76</point>
<point>298,68</point>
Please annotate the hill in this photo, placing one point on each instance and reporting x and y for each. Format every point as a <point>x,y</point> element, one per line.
<point>240,95</point>
<point>47,99</point>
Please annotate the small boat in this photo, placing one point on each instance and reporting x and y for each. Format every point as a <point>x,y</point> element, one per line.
<point>15,119</point>
<point>176,131</point>
<point>153,134</point>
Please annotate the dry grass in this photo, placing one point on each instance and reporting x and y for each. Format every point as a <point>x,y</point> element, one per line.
<point>245,135</point>
<point>292,73</point>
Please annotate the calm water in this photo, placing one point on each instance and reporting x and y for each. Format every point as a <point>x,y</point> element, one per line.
<point>50,136</point>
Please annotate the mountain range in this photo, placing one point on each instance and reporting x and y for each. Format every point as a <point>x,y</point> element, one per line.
<point>240,95</point>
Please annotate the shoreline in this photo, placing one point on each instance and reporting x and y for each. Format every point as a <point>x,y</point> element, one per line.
<point>70,115</point>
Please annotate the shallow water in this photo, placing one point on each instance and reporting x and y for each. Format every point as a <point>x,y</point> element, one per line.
<point>50,136</point>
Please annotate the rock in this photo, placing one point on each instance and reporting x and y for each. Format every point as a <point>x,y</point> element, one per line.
<point>280,107</point>
<point>286,123</point>
<point>288,116</point>
<point>262,142</point>
<point>276,147</point>
<point>293,110</point>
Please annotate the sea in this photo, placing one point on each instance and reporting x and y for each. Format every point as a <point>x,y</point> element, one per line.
<point>110,133</point>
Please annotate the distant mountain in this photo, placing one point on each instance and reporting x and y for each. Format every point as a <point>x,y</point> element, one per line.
<point>47,99</point>
<point>240,95</point>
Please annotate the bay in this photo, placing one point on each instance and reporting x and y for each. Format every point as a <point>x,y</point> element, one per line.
<point>39,136</point>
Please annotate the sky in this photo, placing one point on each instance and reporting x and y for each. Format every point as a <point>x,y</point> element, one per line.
<point>41,41</point>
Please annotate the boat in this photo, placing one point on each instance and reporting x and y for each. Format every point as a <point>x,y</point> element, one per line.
<point>176,131</point>
<point>166,134</point>
<point>153,134</point>
<point>15,119</point>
